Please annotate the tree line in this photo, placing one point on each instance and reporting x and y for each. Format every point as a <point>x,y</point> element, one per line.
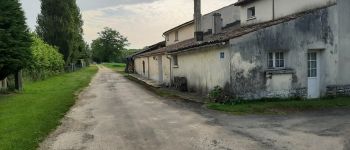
<point>56,42</point>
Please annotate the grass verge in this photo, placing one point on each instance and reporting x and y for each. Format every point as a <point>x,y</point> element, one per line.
<point>117,67</point>
<point>281,106</point>
<point>27,118</point>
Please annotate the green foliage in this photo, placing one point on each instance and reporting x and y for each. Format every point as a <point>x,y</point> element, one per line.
<point>14,38</point>
<point>27,118</point>
<point>109,46</point>
<point>218,95</point>
<point>280,106</point>
<point>60,24</point>
<point>47,61</point>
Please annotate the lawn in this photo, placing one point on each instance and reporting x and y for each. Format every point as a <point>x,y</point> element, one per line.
<point>118,67</point>
<point>27,118</point>
<point>281,106</point>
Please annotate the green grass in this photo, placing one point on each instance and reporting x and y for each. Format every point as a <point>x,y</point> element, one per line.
<point>118,67</point>
<point>28,117</point>
<point>281,106</point>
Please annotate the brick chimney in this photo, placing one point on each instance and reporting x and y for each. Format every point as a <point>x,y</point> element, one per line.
<point>198,35</point>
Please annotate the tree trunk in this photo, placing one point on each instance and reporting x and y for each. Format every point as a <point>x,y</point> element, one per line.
<point>18,81</point>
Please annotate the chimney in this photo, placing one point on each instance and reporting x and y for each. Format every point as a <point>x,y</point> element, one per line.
<point>217,23</point>
<point>198,35</point>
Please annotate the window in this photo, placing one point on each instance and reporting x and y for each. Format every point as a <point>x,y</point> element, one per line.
<point>175,60</point>
<point>312,64</point>
<point>275,60</point>
<point>143,67</point>
<point>176,35</point>
<point>167,37</point>
<point>222,55</point>
<point>251,12</point>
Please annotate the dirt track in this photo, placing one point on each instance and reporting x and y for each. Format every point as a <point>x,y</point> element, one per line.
<point>117,114</point>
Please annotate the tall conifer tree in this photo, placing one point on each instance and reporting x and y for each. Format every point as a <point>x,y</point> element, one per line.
<point>15,39</point>
<point>60,24</point>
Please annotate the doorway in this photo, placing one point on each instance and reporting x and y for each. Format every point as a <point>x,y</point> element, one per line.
<point>313,73</point>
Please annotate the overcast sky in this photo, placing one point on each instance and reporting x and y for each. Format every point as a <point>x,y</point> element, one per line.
<point>142,21</point>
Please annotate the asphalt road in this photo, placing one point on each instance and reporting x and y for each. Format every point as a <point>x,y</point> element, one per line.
<point>117,114</point>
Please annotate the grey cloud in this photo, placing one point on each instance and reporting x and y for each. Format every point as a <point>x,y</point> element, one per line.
<point>96,4</point>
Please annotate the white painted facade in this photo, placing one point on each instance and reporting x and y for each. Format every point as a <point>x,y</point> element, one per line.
<point>266,10</point>
<point>229,14</point>
<point>184,33</point>
<point>204,69</point>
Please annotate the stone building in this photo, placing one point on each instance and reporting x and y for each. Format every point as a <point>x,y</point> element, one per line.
<point>259,48</point>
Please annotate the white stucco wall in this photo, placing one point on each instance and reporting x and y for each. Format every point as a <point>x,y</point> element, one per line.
<point>153,68</point>
<point>229,14</point>
<point>166,70</point>
<point>263,12</point>
<point>139,66</point>
<point>204,69</point>
<point>185,33</point>
<point>264,8</point>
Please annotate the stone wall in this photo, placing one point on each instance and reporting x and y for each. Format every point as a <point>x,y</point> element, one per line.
<point>3,85</point>
<point>338,90</point>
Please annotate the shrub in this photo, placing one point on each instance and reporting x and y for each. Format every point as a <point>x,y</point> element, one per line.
<point>218,95</point>
<point>47,61</point>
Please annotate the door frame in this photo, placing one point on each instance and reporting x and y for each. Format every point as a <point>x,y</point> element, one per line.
<point>317,79</point>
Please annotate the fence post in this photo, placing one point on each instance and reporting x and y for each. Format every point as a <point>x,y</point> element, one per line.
<point>18,81</point>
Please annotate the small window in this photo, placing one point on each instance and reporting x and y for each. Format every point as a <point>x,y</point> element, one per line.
<point>222,55</point>
<point>251,12</point>
<point>176,35</point>
<point>167,37</point>
<point>143,67</point>
<point>275,60</point>
<point>175,60</point>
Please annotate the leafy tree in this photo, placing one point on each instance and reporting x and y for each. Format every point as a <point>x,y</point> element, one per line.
<point>47,61</point>
<point>109,46</point>
<point>60,24</point>
<point>15,39</point>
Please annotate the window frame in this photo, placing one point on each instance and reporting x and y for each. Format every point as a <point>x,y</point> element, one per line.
<point>312,65</point>
<point>251,13</point>
<point>222,55</point>
<point>276,60</point>
<point>176,36</point>
<point>175,61</point>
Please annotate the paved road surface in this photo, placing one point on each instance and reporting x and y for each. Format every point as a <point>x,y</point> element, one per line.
<point>117,114</point>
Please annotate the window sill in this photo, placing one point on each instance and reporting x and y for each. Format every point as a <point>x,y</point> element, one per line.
<point>175,66</point>
<point>273,71</point>
<point>251,18</point>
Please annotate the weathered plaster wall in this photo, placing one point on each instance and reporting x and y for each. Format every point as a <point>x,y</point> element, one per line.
<point>166,70</point>
<point>184,33</point>
<point>344,41</point>
<point>229,14</point>
<point>139,66</point>
<point>316,31</point>
<point>153,68</point>
<point>204,69</point>
<point>264,8</point>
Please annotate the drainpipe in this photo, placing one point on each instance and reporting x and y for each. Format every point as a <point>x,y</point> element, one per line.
<point>171,74</point>
<point>148,75</point>
<point>273,9</point>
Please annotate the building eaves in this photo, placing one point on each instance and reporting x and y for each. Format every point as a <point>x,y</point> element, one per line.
<point>233,32</point>
<point>243,2</point>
